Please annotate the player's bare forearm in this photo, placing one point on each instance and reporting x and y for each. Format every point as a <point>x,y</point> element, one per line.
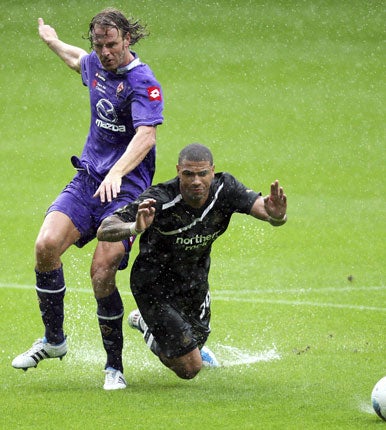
<point>113,229</point>
<point>140,145</point>
<point>136,151</point>
<point>71,55</point>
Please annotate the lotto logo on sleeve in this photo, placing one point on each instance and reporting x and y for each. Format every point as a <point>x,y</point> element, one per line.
<point>154,93</point>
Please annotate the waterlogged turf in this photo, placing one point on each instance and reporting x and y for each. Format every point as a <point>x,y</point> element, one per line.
<point>288,90</point>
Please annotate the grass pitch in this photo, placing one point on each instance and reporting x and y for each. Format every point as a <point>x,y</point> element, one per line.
<point>292,90</point>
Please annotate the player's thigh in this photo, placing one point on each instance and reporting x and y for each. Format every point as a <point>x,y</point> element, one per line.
<point>172,332</point>
<point>56,233</point>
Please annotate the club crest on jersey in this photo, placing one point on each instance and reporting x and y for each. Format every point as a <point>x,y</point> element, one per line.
<point>119,89</point>
<point>154,93</point>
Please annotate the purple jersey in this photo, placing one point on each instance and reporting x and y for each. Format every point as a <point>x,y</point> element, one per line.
<point>120,102</point>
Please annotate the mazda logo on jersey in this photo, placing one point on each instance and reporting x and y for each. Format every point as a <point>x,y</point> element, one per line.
<point>106,111</point>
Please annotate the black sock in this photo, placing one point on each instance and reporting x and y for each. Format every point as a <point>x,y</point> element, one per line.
<point>110,316</point>
<point>50,289</point>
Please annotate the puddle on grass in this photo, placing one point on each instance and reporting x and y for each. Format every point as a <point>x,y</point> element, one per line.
<point>231,356</point>
<point>139,356</point>
<point>85,346</point>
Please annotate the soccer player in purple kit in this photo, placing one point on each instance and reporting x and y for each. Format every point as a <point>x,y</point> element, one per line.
<point>179,220</point>
<point>117,163</point>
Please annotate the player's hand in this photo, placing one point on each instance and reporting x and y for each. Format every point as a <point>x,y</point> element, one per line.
<point>46,32</point>
<point>145,215</point>
<point>276,203</point>
<point>109,188</point>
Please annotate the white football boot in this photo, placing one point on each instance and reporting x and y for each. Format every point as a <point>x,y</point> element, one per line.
<point>39,351</point>
<point>114,380</point>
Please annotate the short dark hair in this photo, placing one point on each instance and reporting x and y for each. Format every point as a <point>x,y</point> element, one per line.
<point>111,17</point>
<point>195,152</point>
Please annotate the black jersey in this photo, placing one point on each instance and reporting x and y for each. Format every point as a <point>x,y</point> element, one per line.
<point>175,249</point>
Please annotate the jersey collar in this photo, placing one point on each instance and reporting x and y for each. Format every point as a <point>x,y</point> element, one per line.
<point>122,70</point>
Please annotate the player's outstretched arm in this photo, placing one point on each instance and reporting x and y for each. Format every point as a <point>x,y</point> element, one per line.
<point>272,208</point>
<point>113,229</point>
<point>71,55</point>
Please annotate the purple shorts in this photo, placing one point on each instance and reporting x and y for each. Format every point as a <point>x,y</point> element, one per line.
<point>87,212</point>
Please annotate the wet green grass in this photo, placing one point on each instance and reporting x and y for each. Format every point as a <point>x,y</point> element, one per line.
<point>288,90</point>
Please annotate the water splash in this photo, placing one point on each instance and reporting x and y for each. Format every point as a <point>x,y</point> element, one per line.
<point>231,356</point>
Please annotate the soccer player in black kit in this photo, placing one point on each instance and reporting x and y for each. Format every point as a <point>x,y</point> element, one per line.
<point>178,221</point>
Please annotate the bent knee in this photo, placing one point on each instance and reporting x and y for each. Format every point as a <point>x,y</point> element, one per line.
<point>187,370</point>
<point>189,373</point>
<point>47,247</point>
<point>185,367</point>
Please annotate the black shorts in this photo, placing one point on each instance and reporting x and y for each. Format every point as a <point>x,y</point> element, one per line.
<point>178,324</point>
